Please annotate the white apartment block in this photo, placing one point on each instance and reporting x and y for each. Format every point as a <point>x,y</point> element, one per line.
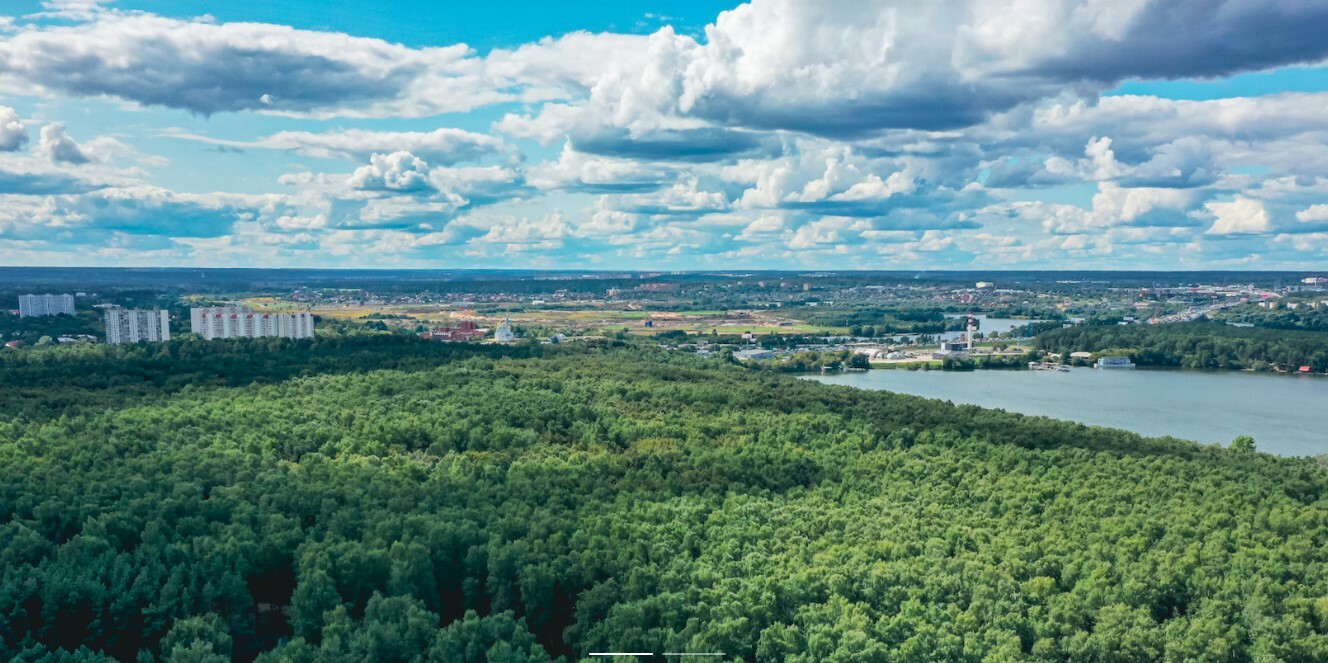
<point>133,326</point>
<point>31,306</point>
<point>241,322</point>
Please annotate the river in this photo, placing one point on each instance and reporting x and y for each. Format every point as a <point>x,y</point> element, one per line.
<point>1285,415</point>
<point>985,325</point>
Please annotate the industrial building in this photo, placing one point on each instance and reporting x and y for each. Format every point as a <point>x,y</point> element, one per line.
<point>466,331</point>
<point>241,322</point>
<point>754,354</point>
<point>32,306</point>
<point>135,326</point>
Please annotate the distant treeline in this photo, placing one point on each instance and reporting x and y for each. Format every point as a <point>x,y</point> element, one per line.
<point>985,362</point>
<point>33,329</point>
<point>1195,345</point>
<point>83,377</point>
<point>878,321</point>
<point>812,360</point>
<point>874,321</point>
<point>1302,318</point>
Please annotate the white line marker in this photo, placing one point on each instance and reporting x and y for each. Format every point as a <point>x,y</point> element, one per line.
<point>650,653</point>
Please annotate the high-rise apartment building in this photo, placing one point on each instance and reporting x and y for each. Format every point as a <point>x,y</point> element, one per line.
<point>30,306</point>
<point>241,322</point>
<point>134,326</point>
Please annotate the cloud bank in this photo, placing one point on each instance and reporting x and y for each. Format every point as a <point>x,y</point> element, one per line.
<point>861,133</point>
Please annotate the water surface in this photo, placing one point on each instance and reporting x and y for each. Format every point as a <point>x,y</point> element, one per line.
<point>1285,415</point>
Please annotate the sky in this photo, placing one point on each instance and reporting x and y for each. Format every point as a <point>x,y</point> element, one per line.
<point>772,134</point>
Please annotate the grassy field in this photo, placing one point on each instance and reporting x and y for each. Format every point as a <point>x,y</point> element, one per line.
<point>580,320</point>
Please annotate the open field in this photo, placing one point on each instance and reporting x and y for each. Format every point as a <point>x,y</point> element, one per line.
<point>581,319</point>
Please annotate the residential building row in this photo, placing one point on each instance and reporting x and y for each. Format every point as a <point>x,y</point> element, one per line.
<point>136,325</point>
<point>32,306</point>
<point>241,322</point>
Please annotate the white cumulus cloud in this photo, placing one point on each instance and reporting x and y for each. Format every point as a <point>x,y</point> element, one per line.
<point>13,134</point>
<point>1242,216</point>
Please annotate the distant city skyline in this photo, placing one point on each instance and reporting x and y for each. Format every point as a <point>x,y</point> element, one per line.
<point>692,135</point>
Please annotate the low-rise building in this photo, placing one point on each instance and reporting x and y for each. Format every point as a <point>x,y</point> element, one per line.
<point>1114,362</point>
<point>464,332</point>
<point>953,348</point>
<point>755,354</point>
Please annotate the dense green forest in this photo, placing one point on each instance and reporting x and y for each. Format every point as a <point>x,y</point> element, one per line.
<point>1303,317</point>
<point>1195,345</point>
<point>32,330</point>
<point>876,321</point>
<point>1015,362</point>
<point>813,360</point>
<point>382,498</point>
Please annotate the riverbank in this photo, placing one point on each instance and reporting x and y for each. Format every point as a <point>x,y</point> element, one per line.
<point>1198,345</point>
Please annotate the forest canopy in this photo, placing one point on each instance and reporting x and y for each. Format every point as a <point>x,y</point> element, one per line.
<point>1195,345</point>
<point>382,498</point>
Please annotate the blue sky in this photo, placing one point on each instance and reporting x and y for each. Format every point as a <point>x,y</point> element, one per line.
<point>419,23</point>
<point>873,134</point>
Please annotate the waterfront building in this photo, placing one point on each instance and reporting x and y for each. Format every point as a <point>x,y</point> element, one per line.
<point>756,354</point>
<point>1114,362</point>
<point>32,306</point>
<point>135,325</point>
<point>241,322</point>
